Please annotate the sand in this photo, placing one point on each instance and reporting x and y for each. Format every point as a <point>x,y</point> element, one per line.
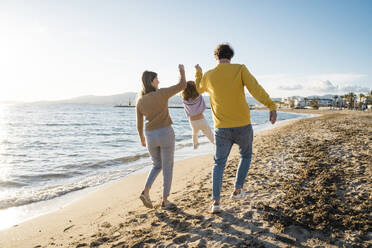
<point>309,186</point>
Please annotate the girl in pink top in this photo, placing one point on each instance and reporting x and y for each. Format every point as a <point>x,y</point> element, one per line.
<point>194,107</point>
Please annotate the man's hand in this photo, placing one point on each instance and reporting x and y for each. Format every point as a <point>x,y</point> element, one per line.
<point>143,141</point>
<point>273,116</point>
<point>198,68</point>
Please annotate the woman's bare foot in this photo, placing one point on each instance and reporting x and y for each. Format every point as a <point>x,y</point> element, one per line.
<point>145,198</point>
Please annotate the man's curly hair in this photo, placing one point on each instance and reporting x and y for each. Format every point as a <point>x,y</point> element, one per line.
<point>223,51</point>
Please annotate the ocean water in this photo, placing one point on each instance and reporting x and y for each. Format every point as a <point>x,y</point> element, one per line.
<point>48,151</point>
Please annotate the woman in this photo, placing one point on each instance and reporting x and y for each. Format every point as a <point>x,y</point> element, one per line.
<point>153,104</point>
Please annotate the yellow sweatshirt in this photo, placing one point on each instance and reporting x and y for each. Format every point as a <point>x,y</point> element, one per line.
<point>225,85</point>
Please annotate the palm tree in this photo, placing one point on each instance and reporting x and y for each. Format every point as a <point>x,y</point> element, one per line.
<point>369,97</point>
<point>351,98</point>
<point>361,100</point>
<point>335,102</point>
<point>343,97</point>
<point>314,103</point>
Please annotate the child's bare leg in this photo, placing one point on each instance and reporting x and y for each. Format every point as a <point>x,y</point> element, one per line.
<point>207,131</point>
<point>195,138</point>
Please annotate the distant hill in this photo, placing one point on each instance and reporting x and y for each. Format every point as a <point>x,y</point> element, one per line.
<point>278,99</point>
<point>329,96</point>
<point>130,97</point>
<point>126,98</point>
<point>122,99</point>
<point>322,97</point>
<point>10,102</point>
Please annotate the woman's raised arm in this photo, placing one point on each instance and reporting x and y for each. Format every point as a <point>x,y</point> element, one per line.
<point>171,91</point>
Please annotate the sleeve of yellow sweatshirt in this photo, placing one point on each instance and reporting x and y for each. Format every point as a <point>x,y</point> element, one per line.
<point>256,89</point>
<point>200,82</point>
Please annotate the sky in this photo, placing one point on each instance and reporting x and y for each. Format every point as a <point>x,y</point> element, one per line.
<point>52,50</point>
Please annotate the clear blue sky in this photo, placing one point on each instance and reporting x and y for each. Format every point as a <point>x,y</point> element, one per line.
<point>60,49</point>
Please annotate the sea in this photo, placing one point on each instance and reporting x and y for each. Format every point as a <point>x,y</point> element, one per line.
<point>52,154</point>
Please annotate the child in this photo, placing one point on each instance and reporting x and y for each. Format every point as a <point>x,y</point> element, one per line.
<point>194,107</point>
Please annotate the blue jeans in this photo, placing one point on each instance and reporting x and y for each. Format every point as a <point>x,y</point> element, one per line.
<point>225,138</point>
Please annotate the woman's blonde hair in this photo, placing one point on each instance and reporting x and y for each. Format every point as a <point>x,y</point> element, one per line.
<point>190,91</point>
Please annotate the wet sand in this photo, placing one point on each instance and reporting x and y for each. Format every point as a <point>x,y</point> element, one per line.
<point>309,185</point>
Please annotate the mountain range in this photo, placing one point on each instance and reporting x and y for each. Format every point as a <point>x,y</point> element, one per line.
<point>129,98</point>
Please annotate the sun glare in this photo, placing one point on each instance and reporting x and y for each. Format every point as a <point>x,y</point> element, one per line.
<point>7,217</point>
<point>4,108</point>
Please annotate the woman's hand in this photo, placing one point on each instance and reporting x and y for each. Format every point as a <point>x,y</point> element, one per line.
<point>181,68</point>
<point>198,68</point>
<point>143,141</point>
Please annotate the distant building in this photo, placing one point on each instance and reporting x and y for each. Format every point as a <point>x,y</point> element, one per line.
<point>294,102</point>
<point>303,102</point>
<point>325,102</point>
<point>362,100</point>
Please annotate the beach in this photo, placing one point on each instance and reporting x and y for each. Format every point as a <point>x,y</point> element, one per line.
<point>309,185</point>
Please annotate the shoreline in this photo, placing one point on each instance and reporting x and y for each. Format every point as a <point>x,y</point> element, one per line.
<point>25,213</point>
<point>41,208</point>
<point>68,209</point>
<point>308,186</point>
<point>94,203</point>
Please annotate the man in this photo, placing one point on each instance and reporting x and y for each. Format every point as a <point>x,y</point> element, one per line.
<point>231,115</point>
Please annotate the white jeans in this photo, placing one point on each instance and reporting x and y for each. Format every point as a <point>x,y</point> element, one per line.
<point>201,125</point>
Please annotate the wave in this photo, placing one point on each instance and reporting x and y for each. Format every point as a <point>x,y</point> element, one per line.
<point>44,195</point>
<point>10,184</point>
<point>117,161</point>
<point>68,124</point>
<point>129,159</point>
<point>132,158</point>
<point>180,146</point>
<point>5,141</point>
<point>49,176</point>
<point>183,137</point>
